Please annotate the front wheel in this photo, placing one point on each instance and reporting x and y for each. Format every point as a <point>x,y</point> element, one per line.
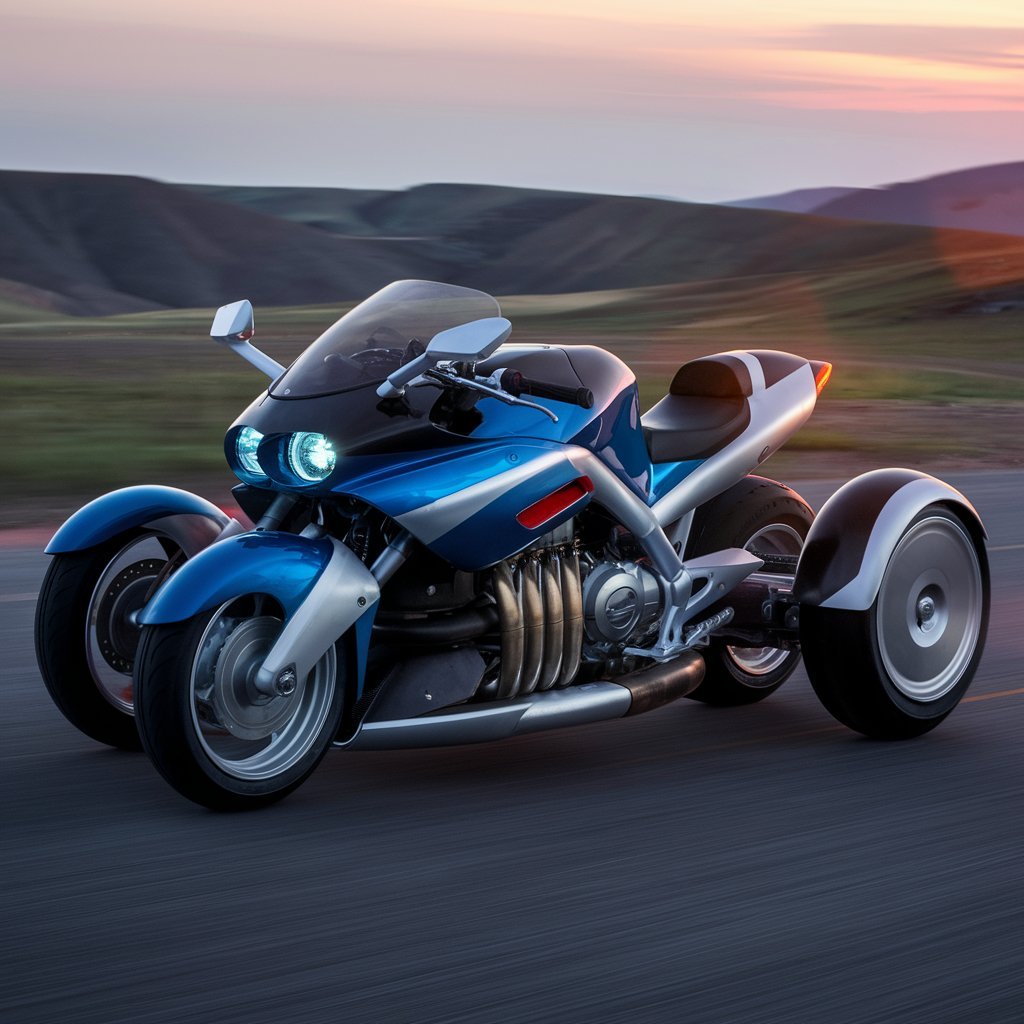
<point>897,669</point>
<point>210,733</point>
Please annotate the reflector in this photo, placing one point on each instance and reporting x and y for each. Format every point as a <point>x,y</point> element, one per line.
<point>543,511</point>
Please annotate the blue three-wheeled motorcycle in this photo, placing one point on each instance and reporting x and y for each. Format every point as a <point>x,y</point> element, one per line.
<point>459,539</point>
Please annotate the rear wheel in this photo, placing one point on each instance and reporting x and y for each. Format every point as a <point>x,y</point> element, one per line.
<point>758,515</point>
<point>86,638</point>
<point>211,734</point>
<point>897,669</point>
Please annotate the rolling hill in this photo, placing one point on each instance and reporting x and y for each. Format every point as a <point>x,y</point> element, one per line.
<point>801,200</point>
<point>987,198</point>
<point>103,244</point>
<point>100,244</point>
<point>978,199</point>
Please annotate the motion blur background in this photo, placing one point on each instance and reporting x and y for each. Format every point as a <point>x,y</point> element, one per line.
<point>844,180</point>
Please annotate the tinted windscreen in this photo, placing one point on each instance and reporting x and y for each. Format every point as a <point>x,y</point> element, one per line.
<point>389,329</point>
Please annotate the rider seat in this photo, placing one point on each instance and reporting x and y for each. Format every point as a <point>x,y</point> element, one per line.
<point>707,407</point>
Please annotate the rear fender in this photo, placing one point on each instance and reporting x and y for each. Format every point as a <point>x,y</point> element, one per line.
<point>858,528</point>
<point>192,522</point>
<point>322,587</point>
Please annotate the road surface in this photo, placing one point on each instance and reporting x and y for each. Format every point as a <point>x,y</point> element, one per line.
<point>692,865</point>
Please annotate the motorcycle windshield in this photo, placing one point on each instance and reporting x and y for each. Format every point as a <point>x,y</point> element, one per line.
<point>382,333</point>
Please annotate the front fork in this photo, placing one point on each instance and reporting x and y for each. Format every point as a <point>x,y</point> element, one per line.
<point>344,593</point>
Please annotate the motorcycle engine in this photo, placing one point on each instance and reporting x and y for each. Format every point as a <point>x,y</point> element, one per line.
<point>620,602</point>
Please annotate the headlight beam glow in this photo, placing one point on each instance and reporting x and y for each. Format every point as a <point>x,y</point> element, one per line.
<point>311,456</point>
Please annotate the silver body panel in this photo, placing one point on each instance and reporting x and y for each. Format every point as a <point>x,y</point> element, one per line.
<point>776,413</point>
<point>428,522</point>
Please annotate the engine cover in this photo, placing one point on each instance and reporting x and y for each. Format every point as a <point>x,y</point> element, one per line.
<point>619,599</point>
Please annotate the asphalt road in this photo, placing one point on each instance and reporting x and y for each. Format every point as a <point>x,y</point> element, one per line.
<point>691,865</point>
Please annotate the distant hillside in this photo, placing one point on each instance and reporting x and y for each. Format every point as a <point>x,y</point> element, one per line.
<point>339,210</point>
<point>979,199</point>
<point>94,244</point>
<point>802,200</point>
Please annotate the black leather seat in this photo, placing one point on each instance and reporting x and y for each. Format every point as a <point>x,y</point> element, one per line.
<point>705,409</point>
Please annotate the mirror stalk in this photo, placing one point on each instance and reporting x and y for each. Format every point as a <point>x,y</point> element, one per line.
<point>271,367</point>
<point>233,326</point>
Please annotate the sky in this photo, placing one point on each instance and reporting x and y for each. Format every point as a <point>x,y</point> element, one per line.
<point>703,101</point>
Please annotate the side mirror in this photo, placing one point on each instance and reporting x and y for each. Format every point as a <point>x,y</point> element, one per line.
<point>463,344</point>
<point>234,322</point>
<point>469,342</point>
<point>233,325</point>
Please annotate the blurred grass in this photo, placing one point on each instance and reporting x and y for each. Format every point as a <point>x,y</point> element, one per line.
<point>921,375</point>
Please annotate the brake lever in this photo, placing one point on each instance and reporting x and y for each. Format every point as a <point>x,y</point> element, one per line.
<point>449,378</point>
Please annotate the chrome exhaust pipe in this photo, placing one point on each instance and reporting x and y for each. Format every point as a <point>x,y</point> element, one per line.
<point>634,694</point>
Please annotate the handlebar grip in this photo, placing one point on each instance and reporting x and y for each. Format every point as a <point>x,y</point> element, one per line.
<point>516,384</point>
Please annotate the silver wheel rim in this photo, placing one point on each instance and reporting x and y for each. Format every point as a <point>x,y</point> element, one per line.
<point>110,637</point>
<point>776,539</point>
<point>930,609</point>
<point>244,733</point>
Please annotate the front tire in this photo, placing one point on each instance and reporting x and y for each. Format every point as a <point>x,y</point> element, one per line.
<point>897,669</point>
<point>85,638</point>
<point>211,735</point>
<point>756,514</point>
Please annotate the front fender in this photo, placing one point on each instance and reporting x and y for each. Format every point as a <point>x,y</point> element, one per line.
<point>322,587</point>
<point>857,530</point>
<point>192,522</point>
<point>283,565</point>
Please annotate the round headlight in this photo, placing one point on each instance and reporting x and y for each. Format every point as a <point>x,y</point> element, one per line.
<point>246,443</point>
<point>311,456</point>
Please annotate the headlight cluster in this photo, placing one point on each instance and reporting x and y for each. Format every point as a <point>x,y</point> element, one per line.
<point>311,457</point>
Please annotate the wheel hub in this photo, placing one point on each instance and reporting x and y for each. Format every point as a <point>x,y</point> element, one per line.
<point>116,633</point>
<point>777,538</point>
<point>246,733</point>
<point>928,616</point>
<point>240,708</point>
<point>112,636</point>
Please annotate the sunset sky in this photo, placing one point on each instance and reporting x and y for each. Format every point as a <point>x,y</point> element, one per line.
<point>702,101</point>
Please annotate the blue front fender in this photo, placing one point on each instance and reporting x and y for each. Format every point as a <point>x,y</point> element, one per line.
<point>191,521</point>
<point>283,565</point>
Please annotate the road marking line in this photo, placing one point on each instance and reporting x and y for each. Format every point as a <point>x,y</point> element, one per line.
<point>15,598</point>
<point>1008,547</point>
<point>993,695</point>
